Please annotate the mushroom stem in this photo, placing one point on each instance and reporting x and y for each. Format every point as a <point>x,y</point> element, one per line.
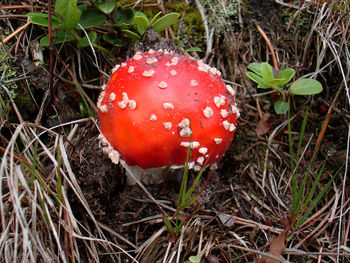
<point>147,176</point>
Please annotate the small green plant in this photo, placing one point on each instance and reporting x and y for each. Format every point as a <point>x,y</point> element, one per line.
<point>186,199</point>
<point>193,259</point>
<point>71,22</point>
<point>142,23</point>
<point>304,203</point>
<point>266,78</point>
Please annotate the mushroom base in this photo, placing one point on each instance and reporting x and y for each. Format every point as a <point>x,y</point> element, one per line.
<point>150,176</point>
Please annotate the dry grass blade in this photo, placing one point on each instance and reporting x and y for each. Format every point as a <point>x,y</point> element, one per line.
<point>50,210</point>
<point>33,207</point>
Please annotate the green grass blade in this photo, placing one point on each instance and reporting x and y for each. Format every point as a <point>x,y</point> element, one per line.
<point>314,185</point>
<point>318,198</point>
<point>297,202</point>
<point>184,180</point>
<point>168,225</point>
<point>302,131</point>
<point>193,186</point>
<point>294,176</point>
<point>87,105</point>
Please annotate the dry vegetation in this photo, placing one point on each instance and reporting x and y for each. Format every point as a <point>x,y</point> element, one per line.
<point>61,200</point>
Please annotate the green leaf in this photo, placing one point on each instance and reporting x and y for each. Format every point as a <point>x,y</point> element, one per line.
<point>281,107</point>
<point>276,82</point>
<point>165,21</point>
<point>255,67</point>
<point>194,259</point>
<point>84,42</point>
<point>131,34</point>
<point>69,11</point>
<point>305,87</point>
<point>91,18</point>
<point>114,41</point>
<point>254,77</point>
<point>43,19</point>
<point>197,49</point>
<point>286,75</point>
<point>107,7</point>
<point>124,16</point>
<point>61,37</point>
<point>155,18</point>
<point>141,22</point>
<point>168,225</point>
<point>266,72</point>
<point>82,7</point>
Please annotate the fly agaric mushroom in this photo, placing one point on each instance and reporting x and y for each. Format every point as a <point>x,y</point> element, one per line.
<point>158,104</point>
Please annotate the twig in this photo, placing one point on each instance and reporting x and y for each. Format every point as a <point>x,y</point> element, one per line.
<point>51,48</point>
<point>14,33</point>
<point>208,35</point>
<point>268,44</point>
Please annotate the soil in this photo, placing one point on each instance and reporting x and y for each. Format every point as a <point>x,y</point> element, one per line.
<point>237,187</point>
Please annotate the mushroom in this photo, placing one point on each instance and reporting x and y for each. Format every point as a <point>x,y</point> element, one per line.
<point>158,104</point>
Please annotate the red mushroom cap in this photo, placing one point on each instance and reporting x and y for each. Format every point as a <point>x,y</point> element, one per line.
<point>157,104</point>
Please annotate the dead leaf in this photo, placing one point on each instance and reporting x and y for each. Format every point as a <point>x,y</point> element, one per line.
<point>264,125</point>
<point>227,220</point>
<point>277,245</point>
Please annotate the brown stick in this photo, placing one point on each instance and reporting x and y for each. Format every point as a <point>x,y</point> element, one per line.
<point>268,44</point>
<point>14,33</point>
<point>51,48</point>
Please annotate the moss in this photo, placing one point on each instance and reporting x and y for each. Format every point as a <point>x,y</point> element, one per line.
<point>9,73</point>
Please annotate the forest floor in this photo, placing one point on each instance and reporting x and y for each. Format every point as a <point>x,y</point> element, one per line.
<point>63,200</point>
